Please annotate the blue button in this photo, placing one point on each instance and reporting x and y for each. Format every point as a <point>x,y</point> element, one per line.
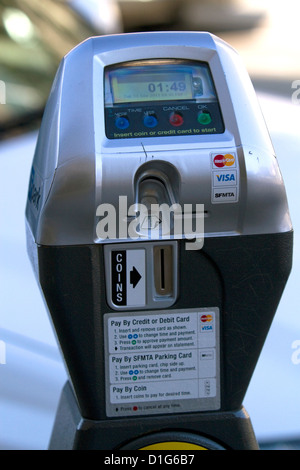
<point>150,120</point>
<point>122,122</point>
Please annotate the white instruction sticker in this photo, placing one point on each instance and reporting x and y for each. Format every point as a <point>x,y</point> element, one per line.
<point>162,362</point>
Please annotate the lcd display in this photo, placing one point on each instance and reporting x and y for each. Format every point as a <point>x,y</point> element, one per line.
<point>133,87</point>
<point>162,81</point>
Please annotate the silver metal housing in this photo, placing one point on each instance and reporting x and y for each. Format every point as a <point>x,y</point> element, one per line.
<point>76,167</point>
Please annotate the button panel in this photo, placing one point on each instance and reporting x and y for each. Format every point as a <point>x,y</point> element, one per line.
<point>163,119</point>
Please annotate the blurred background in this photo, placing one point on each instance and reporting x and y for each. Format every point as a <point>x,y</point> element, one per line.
<point>34,36</point>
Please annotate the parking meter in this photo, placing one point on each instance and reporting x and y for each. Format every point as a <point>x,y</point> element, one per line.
<point>159,231</point>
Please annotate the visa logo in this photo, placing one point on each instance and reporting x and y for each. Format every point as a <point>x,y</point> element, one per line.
<point>207,328</point>
<point>226,177</point>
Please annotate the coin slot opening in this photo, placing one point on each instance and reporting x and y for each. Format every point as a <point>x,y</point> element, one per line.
<point>163,270</point>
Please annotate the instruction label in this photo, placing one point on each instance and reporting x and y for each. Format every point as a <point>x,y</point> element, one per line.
<point>162,362</point>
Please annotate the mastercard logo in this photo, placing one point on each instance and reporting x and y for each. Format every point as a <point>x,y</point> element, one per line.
<point>206,318</point>
<point>224,160</point>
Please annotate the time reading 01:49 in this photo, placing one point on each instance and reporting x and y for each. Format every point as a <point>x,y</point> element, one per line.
<point>166,86</point>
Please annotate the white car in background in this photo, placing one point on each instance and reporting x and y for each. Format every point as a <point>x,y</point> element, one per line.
<point>31,369</point>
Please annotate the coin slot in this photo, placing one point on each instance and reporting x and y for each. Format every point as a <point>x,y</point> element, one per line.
<point>163,270</point>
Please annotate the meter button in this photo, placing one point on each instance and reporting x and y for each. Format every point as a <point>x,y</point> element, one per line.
<point>176,119</point>
<point>204,117</point>
<point>150,120</point>
<point>122,122</point>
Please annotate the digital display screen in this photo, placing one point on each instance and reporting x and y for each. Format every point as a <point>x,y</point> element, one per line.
<point>135,87</point>
<point>161,80</point>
